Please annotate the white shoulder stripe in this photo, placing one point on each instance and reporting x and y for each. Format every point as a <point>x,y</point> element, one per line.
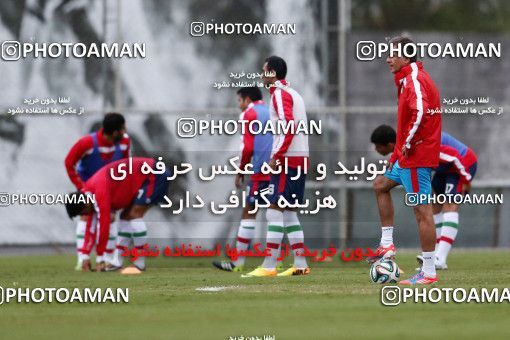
<point>110,149</point>
<point>279,103</point>
<point>457,163</point>
<point>281,115</point>
<point>419,104</point>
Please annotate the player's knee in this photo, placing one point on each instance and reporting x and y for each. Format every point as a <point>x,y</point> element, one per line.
<point>450,207</point>
<point>379,184</point>
<point>124,215</point>
<point>423,212</point>
<point>419,215</point>
<point>133,213</point>
<point>247,214</point>
<point>437,208</point>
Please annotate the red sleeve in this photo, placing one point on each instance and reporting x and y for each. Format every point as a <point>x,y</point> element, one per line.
<point>73,157</point>
<point>417,104</point>
<point>248,138</point>
<point>104,206</point>
<point>90,234</point>
<point>127,141</point>
<point>448,154</point>
<point>284,107</point>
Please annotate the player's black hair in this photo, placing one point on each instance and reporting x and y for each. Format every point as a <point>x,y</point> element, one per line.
<point>277,65</point>
<point>113,122</point>
<point>75,203</point>
<point>384,135</point>
<point>407,48</point>
<point>251,92</point>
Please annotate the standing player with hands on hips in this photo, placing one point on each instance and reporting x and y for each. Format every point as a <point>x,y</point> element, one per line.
<point>286,105</point>
<point>416,154</point>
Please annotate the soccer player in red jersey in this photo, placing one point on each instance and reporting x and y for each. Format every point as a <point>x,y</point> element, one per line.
<point>416,154</point>
<point>113,189</point>
<point>290,147</point>
<point>89,154</point>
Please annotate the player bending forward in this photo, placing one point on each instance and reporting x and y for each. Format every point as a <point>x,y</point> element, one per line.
<point>416,154</point>
<point>135,194</point>
<point>286,105</point>
<point>89,154</point>
<point>257,150</point>
<point>456,170</point>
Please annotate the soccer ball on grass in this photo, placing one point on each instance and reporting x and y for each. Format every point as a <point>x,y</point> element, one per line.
<point>384,271</point>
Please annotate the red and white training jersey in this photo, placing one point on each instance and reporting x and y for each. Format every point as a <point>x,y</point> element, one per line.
<point>85,146</point>
<point>450,160</point>
<point>288,105</point>
<point>112,195</point>
<point>418,124</point>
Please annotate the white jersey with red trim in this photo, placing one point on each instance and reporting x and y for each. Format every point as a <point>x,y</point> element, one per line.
<point>288,107</point>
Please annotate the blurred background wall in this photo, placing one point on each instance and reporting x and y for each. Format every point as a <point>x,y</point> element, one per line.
<point>177,78</point>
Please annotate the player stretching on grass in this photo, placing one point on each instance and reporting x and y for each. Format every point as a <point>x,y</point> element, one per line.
<point>257,150</point>
<point>457,167</point>
<point>91,153</point>
<point>416,154</point>
<point>288,106</point>
<point>135,194</point>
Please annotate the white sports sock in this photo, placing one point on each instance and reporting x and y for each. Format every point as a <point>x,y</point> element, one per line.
<point>80,237</point>
<point>109,255</point>
<point>438,221</point>
<point>386,236</point>
<point>274,237</point>
<point>123,240</point>
<point>296,238</point>
<point>83,257</point>
<point>245,234</point>
<point>139,239</point>
<point>448,234</point>
<point>429,268</point>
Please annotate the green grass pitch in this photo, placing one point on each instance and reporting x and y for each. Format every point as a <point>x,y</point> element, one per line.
<point>336,301</point>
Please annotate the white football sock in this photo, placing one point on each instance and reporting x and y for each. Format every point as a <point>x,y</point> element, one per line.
<point>83,257</point>
<point>428,267</point>
<point>139,239</point>
<point>386,236</point>
<point>296,238</point>
<point>245,234</point>
<point>109,255</point>
<point>438,221</point>
<point>274,237</point>
<point>448,234</point>
<point>80,237</point>
<point>123,241</point>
